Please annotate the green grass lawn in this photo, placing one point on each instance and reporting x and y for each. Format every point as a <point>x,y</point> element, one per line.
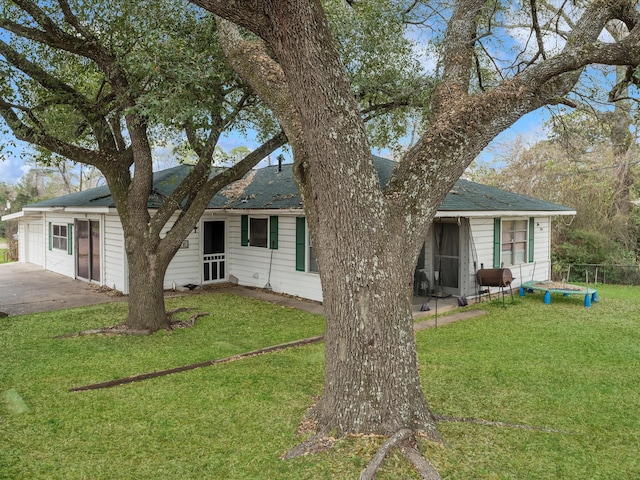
<point>559,366</point>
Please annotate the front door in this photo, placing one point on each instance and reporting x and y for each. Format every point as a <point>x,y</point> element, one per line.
<point>213,250</point>
<point>446,261</point>
<point>88,250</point>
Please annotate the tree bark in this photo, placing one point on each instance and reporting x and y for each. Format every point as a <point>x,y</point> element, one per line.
<point>146,291</point>
<point>367,239</point>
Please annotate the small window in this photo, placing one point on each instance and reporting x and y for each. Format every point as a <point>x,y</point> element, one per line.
<point>514,242</point>
<point>259,232</point>
<point>59,237</point>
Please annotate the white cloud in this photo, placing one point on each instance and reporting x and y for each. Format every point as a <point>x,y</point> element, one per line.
<point>12,169</point>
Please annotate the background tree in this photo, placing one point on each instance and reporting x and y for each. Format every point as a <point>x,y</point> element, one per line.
<point>580,166</point>
<point>93,83</point>
<point>367,236</point>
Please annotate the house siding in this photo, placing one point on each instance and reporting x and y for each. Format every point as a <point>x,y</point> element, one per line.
<point>540,268</point>
<point>114,258</point>
<point>250,265</point>
<point>185,267</point>
<point>22,256</point>
<point>59,261</point>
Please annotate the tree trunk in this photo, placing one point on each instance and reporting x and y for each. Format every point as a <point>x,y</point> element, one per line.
<point>372,384</point>
<point>367,239</point>
<point>146,291</point>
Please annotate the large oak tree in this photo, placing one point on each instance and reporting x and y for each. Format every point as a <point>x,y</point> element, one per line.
<point>367,238</point>
<point>95,82</point>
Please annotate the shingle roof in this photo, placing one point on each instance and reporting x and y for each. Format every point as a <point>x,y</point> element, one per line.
<point>470,196</point>
<point>268,188</point>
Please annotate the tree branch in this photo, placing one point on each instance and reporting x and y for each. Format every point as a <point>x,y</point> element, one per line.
<point>72,20</point>
<point>31,135</point>
<point>458,45</point>
<point>536,28</point>
<point>174,237</point>
<point>245,13</point>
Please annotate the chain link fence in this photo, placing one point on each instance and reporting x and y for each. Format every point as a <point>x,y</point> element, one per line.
<point>598,273</point>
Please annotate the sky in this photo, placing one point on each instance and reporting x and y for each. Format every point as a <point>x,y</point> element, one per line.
<point>530,128</point>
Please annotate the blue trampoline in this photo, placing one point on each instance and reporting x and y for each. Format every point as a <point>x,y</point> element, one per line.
<point>566,289</point>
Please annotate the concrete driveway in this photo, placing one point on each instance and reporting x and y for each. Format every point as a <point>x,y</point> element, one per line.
<point>27,288</point>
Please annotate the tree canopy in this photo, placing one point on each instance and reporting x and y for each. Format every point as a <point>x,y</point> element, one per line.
<point>496,62</point>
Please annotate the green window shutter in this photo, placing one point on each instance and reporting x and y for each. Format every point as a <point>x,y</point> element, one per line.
<point>497,242</point>
<point>70,238</point>
<point>531,236</point>
<point>300,244</point>
<point>273,232</point>
<point>244,230</point>
<point>50,236</point>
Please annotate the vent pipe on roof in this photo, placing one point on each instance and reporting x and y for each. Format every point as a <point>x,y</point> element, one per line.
<point>280,160</point>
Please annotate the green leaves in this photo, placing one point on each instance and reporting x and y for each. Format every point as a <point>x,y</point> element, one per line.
<point>382,64</point>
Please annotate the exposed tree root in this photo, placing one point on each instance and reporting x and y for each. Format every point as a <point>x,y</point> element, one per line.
<point>193,366</point>
<point>112,330</point>
<point>174,323</point>
<point>491,423</point>
<point>420,463</point>
<point>122,329</point>
<point>314,444</point>
<point>370,472</point>
<point>406,441</point>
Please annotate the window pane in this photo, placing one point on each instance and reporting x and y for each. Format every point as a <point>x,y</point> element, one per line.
<point>514,242</point>
<point>258,232</point>
<point>520,236</point>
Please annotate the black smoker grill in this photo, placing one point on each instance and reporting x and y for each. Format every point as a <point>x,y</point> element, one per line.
<point>495,277</point>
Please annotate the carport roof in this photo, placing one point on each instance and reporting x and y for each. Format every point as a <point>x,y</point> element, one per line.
<point>274,188</point>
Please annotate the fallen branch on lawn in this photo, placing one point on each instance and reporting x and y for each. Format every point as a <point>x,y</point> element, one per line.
<point>193,366</point>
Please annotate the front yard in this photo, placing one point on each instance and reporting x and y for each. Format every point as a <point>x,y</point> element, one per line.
<point>558,366</point>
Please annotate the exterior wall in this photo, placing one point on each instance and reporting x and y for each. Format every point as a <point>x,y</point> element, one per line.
<point>57,260</point>
<point>185,267</point>
<point>250,265</point>
<point>482,235</point>
<point>22,242</point>
<point>114,257</point>
<point>255,266</point>
<point>539,269</point>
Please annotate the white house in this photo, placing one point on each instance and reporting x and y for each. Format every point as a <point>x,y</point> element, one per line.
<point>255,232</point>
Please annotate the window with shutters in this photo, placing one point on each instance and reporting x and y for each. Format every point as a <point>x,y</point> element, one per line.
<point>515,237</point>
<point>259,231</point>
<point>59,238</point>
